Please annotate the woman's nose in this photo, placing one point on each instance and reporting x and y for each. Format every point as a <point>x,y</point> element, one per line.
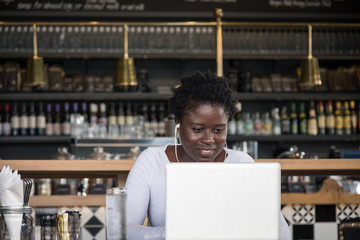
<point>208,137</point>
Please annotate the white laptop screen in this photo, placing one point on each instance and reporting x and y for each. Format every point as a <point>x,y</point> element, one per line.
<point>222,201</point>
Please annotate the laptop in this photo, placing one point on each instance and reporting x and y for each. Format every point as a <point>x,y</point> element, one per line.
<point>208,201</point>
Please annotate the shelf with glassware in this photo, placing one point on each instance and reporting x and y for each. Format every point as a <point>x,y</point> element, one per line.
<point>119,168</point>
<point>179,40</point>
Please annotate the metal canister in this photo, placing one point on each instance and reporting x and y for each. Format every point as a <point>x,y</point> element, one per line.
<point>116,213</point>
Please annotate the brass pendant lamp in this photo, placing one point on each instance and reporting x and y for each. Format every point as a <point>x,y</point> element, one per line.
<point>126,73</point>
<point>310,73</point>
<point>35,76</point>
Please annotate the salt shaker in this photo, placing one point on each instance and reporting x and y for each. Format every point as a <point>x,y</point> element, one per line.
<point>48,227</point>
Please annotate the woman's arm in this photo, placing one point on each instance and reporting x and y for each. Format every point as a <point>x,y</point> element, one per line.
<point>138,197</point>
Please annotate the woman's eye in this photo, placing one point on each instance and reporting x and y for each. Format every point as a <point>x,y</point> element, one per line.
<point>197,130</point>
<point>219,130</point>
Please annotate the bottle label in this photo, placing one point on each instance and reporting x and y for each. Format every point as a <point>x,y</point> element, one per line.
<point>312,127</point>
<point>347,122</point>
<point>56,129</point>
<point>321,122</point>
<point>24,121</point>
<point>121,120</point>
<point>40,122</point>
<point>15,122</point>
<point>49,129</point>
<point>6,128</point>
<point>32,122</point>
<point>161,128</point>
<point>112,120</point>
<point>65,128</point>
<point>339,122</point>
<point>330,122</point>
<point>232,127</point>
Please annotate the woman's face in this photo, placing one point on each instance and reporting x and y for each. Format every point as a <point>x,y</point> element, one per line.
<point>203,133</point>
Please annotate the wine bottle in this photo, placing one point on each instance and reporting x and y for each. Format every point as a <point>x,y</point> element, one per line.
<point>294,126</point>
<point>6,123</point>
<point>161,121</point>
<point>32,120</point>
<point>347,118</point>
<point>354,117</point>
<point>312,128</point>
<point>302,119</point>
<point>121,119</point>
<point>339,119</point>
<point>15,121</point>
<point>41,120</point>
<point>1,124</point>
<point>57,120</point>
<point>321,118</point>
<point>65,124</point>
<point>329,118</point>
<point>49,121</point>
<point>24,120</point>
<point>285,121</point>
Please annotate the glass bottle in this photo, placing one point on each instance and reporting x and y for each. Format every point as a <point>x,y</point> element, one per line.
<point>65,124</point>
<point>121,119</point>
<point>86,121</point>
<point>57,120</point>
<point>239,119</point>
<point>153,120</point>
<point>302,119</point>
<point>40,120</point>
<point>76,121</point>
<point>347,118</point>
<point>267,123</point>
<point>32,120</point>
<point>312,128</point>
<point>15,122</point>
<point>354,117</point>
<point>49,121</point>
<point>102,121</point>
<point>330,118</point>
<point>232,126</point>
<point>276,122</point>
<point>339,119</point>
<point>248,124</point>
<point>294,126</point>
<point>24,120</point>
<point>113,130</point>
<point>285,121</point>
<point>93,127</point>
<point>6,123</point>
<point>161,121</point>
<point>321,118</point>
<point>257,124</point>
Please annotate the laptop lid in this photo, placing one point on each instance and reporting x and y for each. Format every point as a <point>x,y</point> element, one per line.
<point>223,201</point>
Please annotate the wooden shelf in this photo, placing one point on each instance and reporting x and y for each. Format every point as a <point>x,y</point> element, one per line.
<point>67,200</point>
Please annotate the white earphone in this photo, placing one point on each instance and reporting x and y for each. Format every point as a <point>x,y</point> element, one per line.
<point>175,140</point>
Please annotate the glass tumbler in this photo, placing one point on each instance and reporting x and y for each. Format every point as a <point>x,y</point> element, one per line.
<point>17,222</point>
<point>116,213</point>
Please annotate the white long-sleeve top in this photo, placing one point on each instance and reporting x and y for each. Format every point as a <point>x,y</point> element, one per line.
<point>146,194</point>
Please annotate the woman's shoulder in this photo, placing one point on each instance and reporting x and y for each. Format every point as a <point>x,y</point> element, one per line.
<point>152,155</point>
<point>238,156</point>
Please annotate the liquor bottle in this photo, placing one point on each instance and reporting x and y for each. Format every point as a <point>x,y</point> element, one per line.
<point>312,128</point>
<point>321,118</point>
<point>40,120</point>
<point>93,125</point>
<point>6,123</point>
<point>354,117</point>
<point>84,131</point>
<point>239,119</point>
<point>113,130</point>
<point>32,120</point>
<point>161,121</point>
<point>358,124</point>
<point>302,119</point>
<point>76,122</point>
<point>231,126</point>
<point>65,124</point>
<point>147,124</point>
<point>15,121</point>
<point>267,124</point>
<point>330,118</point>
<point>339,119</point>
<point>121,119</point>
<point>57,120</point>
<point>102,121</point>
<point>294,126</point>
<point>248,124</point>
<point>276,122</point>
<point>285,121</point>
<point>129,117</point>
<point>257,124</point>
<point>153,120</point>
<point>49,121</point>
<point>347,118</point>
<point>24,120</point>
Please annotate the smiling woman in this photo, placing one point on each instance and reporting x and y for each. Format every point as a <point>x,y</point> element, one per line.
<point>202,106</point>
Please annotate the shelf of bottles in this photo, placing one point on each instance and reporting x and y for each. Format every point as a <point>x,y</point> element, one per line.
<point>181,39</point>
<point>320,120</point>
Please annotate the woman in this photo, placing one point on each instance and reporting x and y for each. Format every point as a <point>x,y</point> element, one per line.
<point>202,106</point>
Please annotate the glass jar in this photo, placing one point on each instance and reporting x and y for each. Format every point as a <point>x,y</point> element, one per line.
<point>13,214</point>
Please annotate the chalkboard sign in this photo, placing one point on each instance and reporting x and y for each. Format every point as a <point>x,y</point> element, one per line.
<point>187,9</point>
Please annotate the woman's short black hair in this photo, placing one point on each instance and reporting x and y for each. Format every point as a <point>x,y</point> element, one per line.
<point>200,89</point>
